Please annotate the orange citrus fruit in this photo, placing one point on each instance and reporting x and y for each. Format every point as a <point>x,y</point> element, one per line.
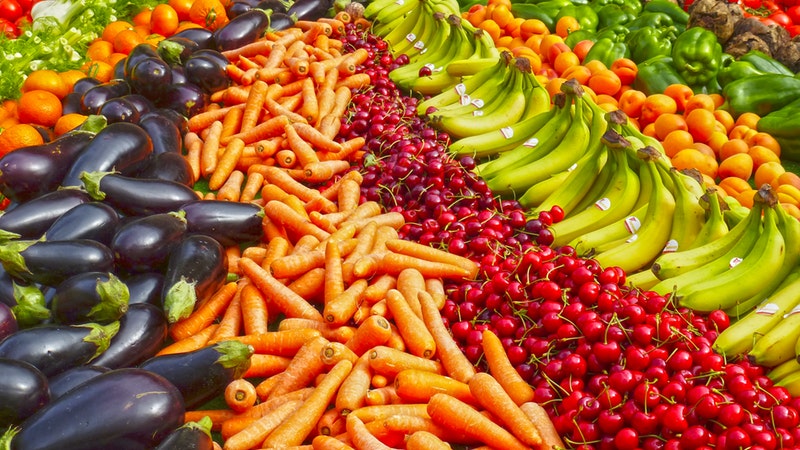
<point>39,107</point>
<point>18,136</point>
<point>45,80</point>
<point>68,122</point>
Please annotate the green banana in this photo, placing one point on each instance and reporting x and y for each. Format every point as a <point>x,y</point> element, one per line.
<point>441,49</point>
<point>467,85</point>
<point>440,79</point>
<point>395,9</point>
<point>791,383</point>
<point>639,251</point>
<point>740,336</point>
<point>784,370</point>
<point>486,95</point>
<point>779,343</point>
<point>715,226</point>
<point>642,280</point>
<point>540,191</point>
<point>470,66</point>
<point>411,18</point>
<point>415,41</point>
<point>689,216</point>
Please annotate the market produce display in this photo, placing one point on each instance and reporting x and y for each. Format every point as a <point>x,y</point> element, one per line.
<point>397,225</point>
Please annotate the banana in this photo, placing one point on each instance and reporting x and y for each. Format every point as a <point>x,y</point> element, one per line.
<point>779,343</point>
<point>715,226</point>
<point>791,383</point>
<point>415,41</point>
<point>376,6</point>
<point>648,242</point>
<point>467,87</point>
<point>470,66</point>
<point>411,18</point>
<point>440,79</point>
<point>689,216</point>
<point>761,266</point>
<point>490,94</point>
<point>738,339</point>
<point>581,178</point>
<point>444,46</point>
<point>784,370</point>
<point>642,280</point>
<point>395,9</point>
<point>540,191</point>
<point>535,92</point>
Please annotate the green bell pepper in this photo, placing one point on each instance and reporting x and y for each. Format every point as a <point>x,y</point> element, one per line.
<point>646,43</point>
<point>784,125</point>
<point>650,20</point>
<point>633,7</point>
<point>656,74</point>
<point>760,94</point>
<point>736,70</point>
<point>612,15</point>
<point>586,16</point>
<point>577,36</point>
<point>533,11</point>
<point>616,33</point>
<point>697,56</point>
<point>679,17</point>
<point>765,63</point>
<point>607,51</point>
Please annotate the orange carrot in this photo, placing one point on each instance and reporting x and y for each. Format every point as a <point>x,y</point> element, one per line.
<point>231,122</point>
<point>310,285</point>
<point>254,106</point>
<point>298,65</point>
<point>453,414</point>
<point>277,110</point>
<point>254,310</point>
<point>425,440</point>
<point>323,442</point>
<point>354,81</point>
<point>261,46</point>
<point>408,424</point>
<point>310,107</point>
<point>410,282</point>
<point>435,287</point>
<point>495,399</point>
<point>297,264</point>
<point>210,149</point>
<point>252,186</point>
<point>262,366</point>
<point>341,308</point>
<point>551,440</point>
<point>503,371</point>
<point>286,158</point>
<point>352,393</point>
<point>191,343</point>
<point>217,416</point>
<point>231,190</point>
<point>392,219</point>
<point>231,322</point>
<point>393,263</point>
<point>205,314</point>
<point>334,281</point>
<point>253,434</point>
<point>276,248</point>
<point>336,25</point>
<point>319,26</point>
<point>378,287</point>
<point>389,361</point>
<point>350,148</point>
<point>332,191</point>
<point>373,331</point>
<point>411,248</point>
<point>322,171</point>
<point>342,96</point>
<point>304,151</point>
<point>418,386</point>
<point>452,358</point>
<point>296,428</point>
<point>333,333</point>
<point>291,304</point>
<point>334,352</point>
<point>315,138</point>
<point>343,16</point>
<point>365,241</point>
<point>203,120</point>
<point>386,395</point>
<point>283,215</point>
<point>269,128</point>
<point>416,336</point>
<point>303,367</point>
<point>281,342</point>
<point>240,394</point>
<point>194,146</point>
<point>360,435</point>
<point>330,423</point>
<point>226,164</point>
<point>280,178</point>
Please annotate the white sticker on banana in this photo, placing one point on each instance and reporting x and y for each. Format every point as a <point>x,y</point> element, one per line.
<point>603,204</point>
<point>768,309</point>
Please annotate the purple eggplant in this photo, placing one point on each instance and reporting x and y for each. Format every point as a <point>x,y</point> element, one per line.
<point>136,55</point>
<point>170,167</point>
<point>123,409</point>
<point>92,100</point>
<point>83,85</point>
<point>137,196</point>
<point>92,220</point>
<point>36,170</point>
<point>8,322</point>
<point>206,72</point>
<point>145,243</point>
<point>71,103</point>
<point>177,118</point>
<point>230,223</point>
<point>32,218</point>
<point>243,29</point>
<point>119,110</point>
<point>98,297</point>
<point>6,288</point>
<point>164,133</point>
<point>276,6</point>
<point>142,104</point>
<point>236,9</point>
<point>281,21</point>
<point>23,391</point>
<point>145,287</point>
<point>178,74</point>
<point>310,9</point>
<point>190,436</point>
<point>55,348</point>
<point>197,267</point>
<point>150,76</point>
<point>72,378</point>
<point>142,333</point>
<point>176,49</point>
<point>187,98</point>
<point>52,262</point>
<point>202,374</point>
<point>203,37</point>
<point>118,146</point>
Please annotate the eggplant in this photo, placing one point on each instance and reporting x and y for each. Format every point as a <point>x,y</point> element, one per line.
<point>236,9</point>
<point>92,100</point>
<point>310,9</point>
<point>178,74</point>
<point>51,262</point>
<point>176,49</point>
<point>123,409</point>
<point>137,196</point>
<point>145,287</point>
<point>142,104</point>
<point>177,118</point>
<point>281,21</point>
<point>203,37</point>
<point>83,85</point>
<point>118,146</point>
<point>206,72</point>
<point>187,98</point>
<point>119,110</point>
<point>32,218</point>
<point>138,54</point>
<point>145,243</point>
<point>276,6</point>
<point>197,267</point>
<point>8,323</point>
<point>243,29</point>
<point>92,220</point>
<point>202,374</point>
<point>98,297</point>
<point>23,391</point>
<point>168,166</point>
<point>230,223</point>
<point>35,170</point>
<point>142,333</point>
<point>164,133</point>
<point>118,71</point>
<point>71,103</point>
<point>150,76</point>
<point>6,288</point>
<point>55,348</point>
<point>72,378</point>
<point>189,436</point>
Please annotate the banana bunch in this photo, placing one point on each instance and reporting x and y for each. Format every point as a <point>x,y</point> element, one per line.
<point>787,375</point>
<point>397,20</point>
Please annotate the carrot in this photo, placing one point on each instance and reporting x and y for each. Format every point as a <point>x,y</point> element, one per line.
<point>319,26</point>
<point>191,343</point>
<point>361,436</point>
<point>254,106</point>
<point>231,322</point>
<point>366,239</point>
<point>285,342</point>
<point>277,110</point>
<point>276,248</point>
<point>453,414</point>
<point>348,195</point>
<point>310,107</point>
<point>296,428</point>
<point>425,440</point>
<point>334,281</point>
<point>304,151</point>
<point>323,442</point>
<point>298,65</point>
<point>235,73</point>
<point>408,424</point>
<point>551,440</point>
<point>204,119</point>
<point>217,416</point>
<point>332,191</point>
<point>291,102</point>
<point>271,229</point>
<point>194,146</point>
<point>393,263</point>
<point>413,330</point>
<point>303,367</point>
<point>343,16</point>
<point>503,371</point>
<point>291,304</point>
<point>410,282</point>
<point>330,423</point>
<point>386,395</point>
<point>231,122</point>
<point>261,46</point>
<point>350,147</point>
<point>205,314</point>
<point>435,287</point>
<point>280,178</point>
<point>392,219</point>
<point>418,386</point>
<point>240,394</point>
<point>332,333</point>
<point>297,264</point>
<point>336,25</point>
<point>283,215</point>
<point>315,138</point>
<point>449,353</point>
<point>209,151</point>
<point>252,186</point>
<point>373,331</point>
<point>310,285</point>
<point>495,399</point>
<point>390,361</point>
<point>286,158</point>
<point>252,435</point>
<point>411,248</point>
<point>342,96</point>
<point>269,128</point>
<point>322,171</point>
<point>297,205</point>
<point>226,164</point>
<point>341,308</point>
<point>254,310</point>
<point>231,190</point>
<point>352,393</point>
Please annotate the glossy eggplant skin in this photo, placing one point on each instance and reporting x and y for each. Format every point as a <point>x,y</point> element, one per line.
<point>281,21</point>
<point>118,146</point>
<point>276,6</point>
<point>166,136</point>
<point>206,72</point>
<point>53,348</point>
<point>140,102</point>
<point>123,409</point>
<point>142,333</point>
<point>135,196</point>
<point>32,218</point>
<point>145,287</point>
<point>197,267</point>
<point>98,297</point>
<point>310,9</point>
<point>92,220</point>
<point>83,85</point>
<point>202,374</point>
<point>203,37</point>
<point>6,288</point>
<point>8,323</point>
<point>136,55</point>
<point>94,98</point>
<point>170,167</point>
<point>186,98</point>
<point>243,29</point>
<point>230,223</point>
<point>71,378</point>
<point>32,171</point>
<point>145,243</point>
<point>23,391</point>
<point>149,77</point>
<point>52,262</point>
<point>190,436</point>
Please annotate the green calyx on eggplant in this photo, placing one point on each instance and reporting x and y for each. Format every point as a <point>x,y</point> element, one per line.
<point>98,297</point>
<point>31,308</point>
<point>190,436</point>
<point>32,218</point>
<point>23,391</point>
<point>142,333</point>
<point>51,262</point>
<point>137,196</point>
<point>55,348</point>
